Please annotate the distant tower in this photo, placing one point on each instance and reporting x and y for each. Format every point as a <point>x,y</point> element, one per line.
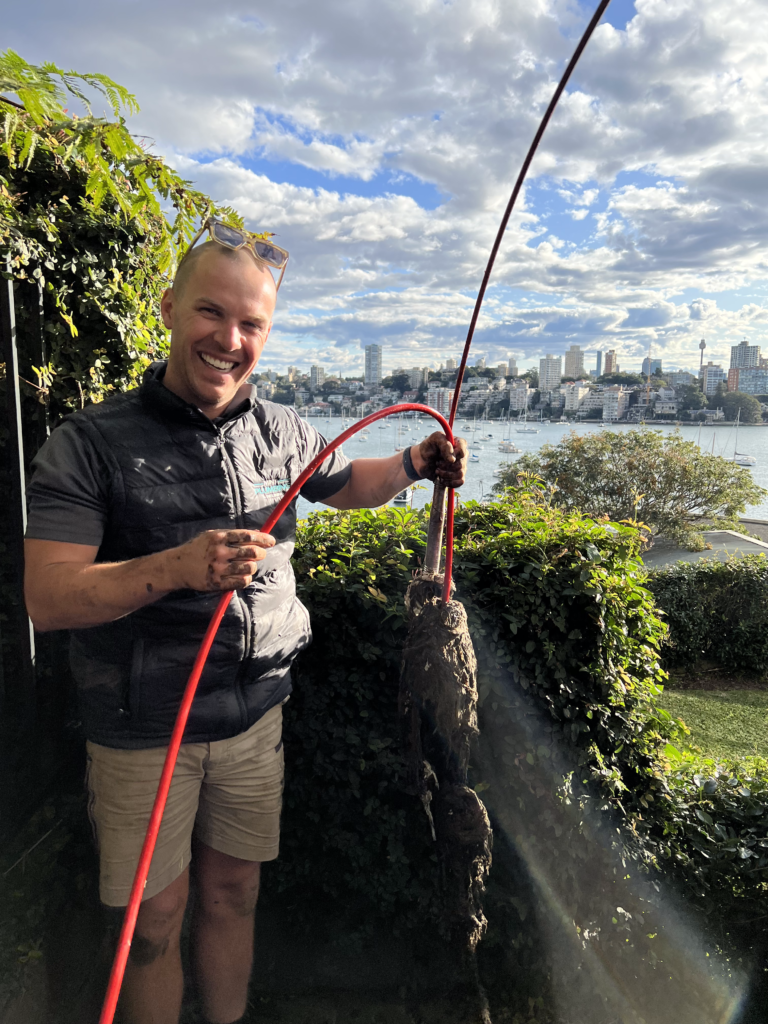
<point>702,346</point>
<point>599,365</point>
<point>373,364</point>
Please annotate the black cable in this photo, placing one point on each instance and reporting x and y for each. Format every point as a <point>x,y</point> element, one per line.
<point>515,192</point>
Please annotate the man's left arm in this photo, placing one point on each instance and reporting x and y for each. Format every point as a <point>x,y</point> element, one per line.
<point>373,482</point>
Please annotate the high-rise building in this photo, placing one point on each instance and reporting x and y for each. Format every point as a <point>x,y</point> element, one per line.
<point>519,395</point>
<point>293,373</point>
<point>418,376</point>
<point>502,369</point>
<point>744,355</point>
<point>511,368</point>
<point>711,374</point>
<point>373,364</point>
<point>574,396</point>
<point>574,362</point>
<point>440,400</point>
<point>450,363</point>
<point>615,401</point>
<point>611,362</point>
<point>480,362</point>
<point>316,376</point>
<point>550,372</point>
<point>751,380</point>
<point>599,365</point>
<point>650,366</point>
<point>679,378</point>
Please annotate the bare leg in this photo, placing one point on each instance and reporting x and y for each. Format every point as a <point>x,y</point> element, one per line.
<point>154,984</point>
<point>222,931</point>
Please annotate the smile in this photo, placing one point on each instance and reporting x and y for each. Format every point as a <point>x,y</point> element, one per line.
<point>217,364</point>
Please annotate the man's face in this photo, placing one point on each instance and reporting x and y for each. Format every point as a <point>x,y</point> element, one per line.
<point>219,320</point>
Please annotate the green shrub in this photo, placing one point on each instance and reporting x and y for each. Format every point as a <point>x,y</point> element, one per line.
<point>555,597</point>
<point>659,479</point>
<point>585,777</point>
<point>717,611</point>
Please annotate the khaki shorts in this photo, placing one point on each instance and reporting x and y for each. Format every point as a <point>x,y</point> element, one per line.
<point>228,793</point>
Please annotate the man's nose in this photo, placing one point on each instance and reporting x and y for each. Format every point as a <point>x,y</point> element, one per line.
<point>227,336</point>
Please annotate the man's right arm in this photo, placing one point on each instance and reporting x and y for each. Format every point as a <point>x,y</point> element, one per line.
<point>65,588</point>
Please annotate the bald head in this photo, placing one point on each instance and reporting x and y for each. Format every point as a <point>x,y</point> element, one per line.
<point>201,256</point>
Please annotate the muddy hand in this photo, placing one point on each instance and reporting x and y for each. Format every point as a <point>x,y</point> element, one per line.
<point>437,459</point>
<point>218,559</point>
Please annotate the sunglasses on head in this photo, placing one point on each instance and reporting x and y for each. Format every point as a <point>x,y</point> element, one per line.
<point>236,238</point>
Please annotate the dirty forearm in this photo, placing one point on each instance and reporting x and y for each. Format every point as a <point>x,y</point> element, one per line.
<point>69,595</point>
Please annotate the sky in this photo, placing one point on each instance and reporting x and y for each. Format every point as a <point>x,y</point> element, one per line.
<point>380,139</point>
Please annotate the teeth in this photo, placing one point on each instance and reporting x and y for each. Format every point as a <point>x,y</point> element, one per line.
<point>217,364</point>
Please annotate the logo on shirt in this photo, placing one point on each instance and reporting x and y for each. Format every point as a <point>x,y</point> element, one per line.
<point>279,486</point>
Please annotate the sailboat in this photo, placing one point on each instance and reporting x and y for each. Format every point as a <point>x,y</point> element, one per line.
<point>507,446</point>
<point>526,429</point>
<point>738,457</point>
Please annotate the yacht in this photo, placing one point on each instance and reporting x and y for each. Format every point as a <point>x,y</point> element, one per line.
<point>738,457</point>
<point>403,499</point>
<point>509,448</point>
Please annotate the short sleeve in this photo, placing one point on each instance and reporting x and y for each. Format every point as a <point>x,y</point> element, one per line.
<point>329,477</point>
<point>68,494</point>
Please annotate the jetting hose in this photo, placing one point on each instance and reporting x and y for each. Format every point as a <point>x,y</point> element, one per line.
<point>142,870</point>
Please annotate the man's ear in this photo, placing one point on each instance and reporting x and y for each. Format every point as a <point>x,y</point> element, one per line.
<point>166,308</point>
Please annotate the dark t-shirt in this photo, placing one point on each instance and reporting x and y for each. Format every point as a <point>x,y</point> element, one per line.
<point>68,495</point>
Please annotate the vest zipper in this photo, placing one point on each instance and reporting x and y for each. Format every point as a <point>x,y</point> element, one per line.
<point>231,472</point>
<point>233,481</point>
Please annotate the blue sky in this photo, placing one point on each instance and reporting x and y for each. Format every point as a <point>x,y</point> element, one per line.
<point>380,142</point>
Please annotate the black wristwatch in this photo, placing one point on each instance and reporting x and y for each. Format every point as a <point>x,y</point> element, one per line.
<point>408,466</point>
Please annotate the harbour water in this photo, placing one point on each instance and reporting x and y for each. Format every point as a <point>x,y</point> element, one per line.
<point>383,438</point>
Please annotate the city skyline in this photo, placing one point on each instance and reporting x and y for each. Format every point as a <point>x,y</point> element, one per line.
<point>348,152</point>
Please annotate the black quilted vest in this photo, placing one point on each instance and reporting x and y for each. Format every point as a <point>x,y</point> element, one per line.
<point>173,474</point>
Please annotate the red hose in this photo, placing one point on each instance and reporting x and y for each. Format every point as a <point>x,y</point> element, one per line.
<point>156,817</point>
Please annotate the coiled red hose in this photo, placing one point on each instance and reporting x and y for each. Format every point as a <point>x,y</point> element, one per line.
<point>156,817</point>
<point>132,910</point>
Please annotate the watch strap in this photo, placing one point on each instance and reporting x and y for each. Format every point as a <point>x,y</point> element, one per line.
<point>408,466</point>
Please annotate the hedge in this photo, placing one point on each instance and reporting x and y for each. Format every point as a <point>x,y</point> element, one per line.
<point>588,782</point>
<point>716,611</point>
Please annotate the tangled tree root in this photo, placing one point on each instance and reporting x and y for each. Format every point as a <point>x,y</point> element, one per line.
<point>438,703</point>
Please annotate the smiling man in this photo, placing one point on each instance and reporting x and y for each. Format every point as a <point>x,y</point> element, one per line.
<point>141,511</point>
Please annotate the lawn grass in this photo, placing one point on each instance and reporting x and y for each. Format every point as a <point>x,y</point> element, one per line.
<point>723,723</point>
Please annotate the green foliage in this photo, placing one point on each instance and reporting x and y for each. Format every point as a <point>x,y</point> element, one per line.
<point>691,397</point>
<point>716,611</point>
<point>659,479</point>
<point>552,597</point>
<point>398,382</point>
<point>83,211</point>
<point>734,402</point>
<point>351,832</point>
<point>627,380</point>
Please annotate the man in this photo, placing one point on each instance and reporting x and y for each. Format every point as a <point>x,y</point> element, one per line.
<point>142,510</point>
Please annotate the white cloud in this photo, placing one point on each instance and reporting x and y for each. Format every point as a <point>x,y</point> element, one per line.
<point>661,139</point>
